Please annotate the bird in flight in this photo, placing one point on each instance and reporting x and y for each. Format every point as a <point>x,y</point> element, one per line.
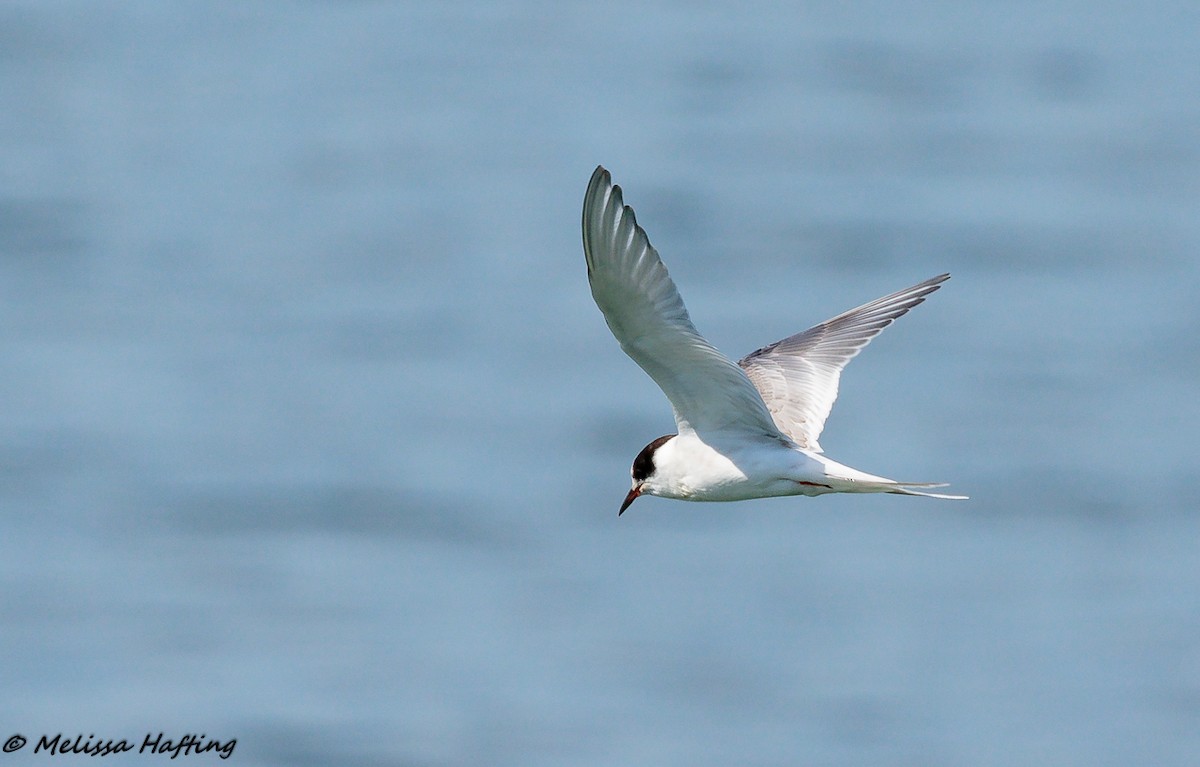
<point>745,430</point>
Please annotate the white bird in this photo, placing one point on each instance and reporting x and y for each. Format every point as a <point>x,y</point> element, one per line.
<point>747,430</point>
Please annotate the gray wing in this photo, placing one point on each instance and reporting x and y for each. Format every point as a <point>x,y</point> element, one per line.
<point>798,376</point>
<point>645,313</point>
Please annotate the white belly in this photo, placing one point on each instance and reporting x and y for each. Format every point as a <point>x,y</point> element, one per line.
<point>693,470</point>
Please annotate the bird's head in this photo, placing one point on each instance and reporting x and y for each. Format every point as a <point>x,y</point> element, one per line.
<point>643,472</point>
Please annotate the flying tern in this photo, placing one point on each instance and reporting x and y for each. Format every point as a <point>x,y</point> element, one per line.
<point>745,430</point>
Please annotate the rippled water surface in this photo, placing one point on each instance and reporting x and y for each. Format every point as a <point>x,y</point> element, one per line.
<point>311,436</point>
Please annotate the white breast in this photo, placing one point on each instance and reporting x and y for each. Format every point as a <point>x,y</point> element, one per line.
<point>688,468</point>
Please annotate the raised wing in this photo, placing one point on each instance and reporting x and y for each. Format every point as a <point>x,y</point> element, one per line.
<point>644,311</point>
<point>798,376</point>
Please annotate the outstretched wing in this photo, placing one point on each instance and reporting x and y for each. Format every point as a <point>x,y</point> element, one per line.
<point>644,311</point>
<point>798,376</point>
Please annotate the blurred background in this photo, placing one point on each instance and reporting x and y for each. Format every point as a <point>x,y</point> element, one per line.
<point>311,435</point>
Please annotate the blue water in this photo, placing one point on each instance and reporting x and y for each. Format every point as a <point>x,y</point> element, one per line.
<point>311,436</point>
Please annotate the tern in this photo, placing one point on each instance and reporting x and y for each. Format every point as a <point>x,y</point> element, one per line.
<point>745,430</point>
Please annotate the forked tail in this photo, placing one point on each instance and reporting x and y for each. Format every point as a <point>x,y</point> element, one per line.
<point>844,479</point>
<point>906,488</point>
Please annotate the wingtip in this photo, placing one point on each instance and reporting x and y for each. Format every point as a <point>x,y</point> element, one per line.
<point>600,186</point>
<point>600,177</point>
<point>934,282</point>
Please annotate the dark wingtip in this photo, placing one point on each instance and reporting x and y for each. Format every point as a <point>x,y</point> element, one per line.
<point>599,175</point>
